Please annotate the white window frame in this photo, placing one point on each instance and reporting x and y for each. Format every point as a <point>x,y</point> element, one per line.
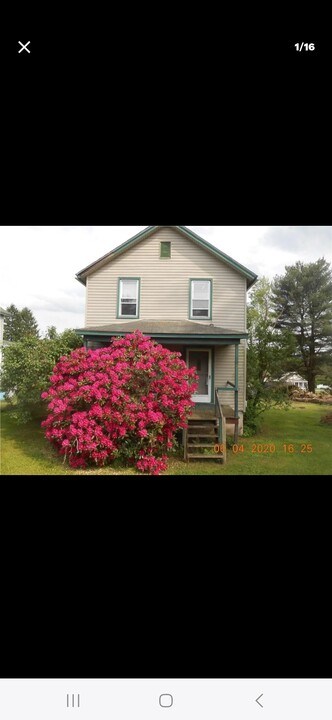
<point>209,299</point>
<point>120,290</point>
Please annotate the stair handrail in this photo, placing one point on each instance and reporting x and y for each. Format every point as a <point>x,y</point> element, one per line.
<point>218,404</point>
<point>235,389</point>
<point>220,413</point>
<point>221,425</point>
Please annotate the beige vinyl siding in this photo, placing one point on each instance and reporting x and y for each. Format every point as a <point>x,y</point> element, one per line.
<point>86,313</point>
<point>224,363</point>
<point>165,283</point>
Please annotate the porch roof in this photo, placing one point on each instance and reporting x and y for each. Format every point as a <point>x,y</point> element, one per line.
<point>165,329</point>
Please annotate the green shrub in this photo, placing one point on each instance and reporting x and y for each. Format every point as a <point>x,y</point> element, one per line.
<point>252,419</point>
<point>26,368</point>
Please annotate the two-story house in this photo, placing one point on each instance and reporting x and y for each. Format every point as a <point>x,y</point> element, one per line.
<point>184,293</point>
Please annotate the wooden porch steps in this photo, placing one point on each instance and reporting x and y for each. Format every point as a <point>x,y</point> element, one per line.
<point>205,457</point>
<point>205,445</point>
<point>202,435</point>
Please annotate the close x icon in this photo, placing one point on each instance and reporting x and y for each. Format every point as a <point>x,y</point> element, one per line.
<point>24,46</point>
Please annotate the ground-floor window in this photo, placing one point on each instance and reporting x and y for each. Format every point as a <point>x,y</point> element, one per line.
<point>96,344</point>
<point>176,348</point>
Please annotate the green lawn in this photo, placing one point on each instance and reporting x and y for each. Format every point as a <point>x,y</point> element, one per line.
<point>24,450</point>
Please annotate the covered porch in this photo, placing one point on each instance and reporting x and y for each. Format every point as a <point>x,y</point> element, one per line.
<point>201,413</point>
<point>214,351</point>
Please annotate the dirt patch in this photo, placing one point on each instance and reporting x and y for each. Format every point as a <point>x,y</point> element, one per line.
<point>326,419</point>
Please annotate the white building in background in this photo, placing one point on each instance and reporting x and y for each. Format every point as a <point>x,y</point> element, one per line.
<point>292,378</point>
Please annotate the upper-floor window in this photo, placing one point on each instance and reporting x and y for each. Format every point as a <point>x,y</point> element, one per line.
<point>128,303</point>
<point>200,299</point>
<point>165,249</point>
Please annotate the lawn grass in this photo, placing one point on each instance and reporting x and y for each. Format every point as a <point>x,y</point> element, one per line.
<point>298,426</point>
<point>24,450</point>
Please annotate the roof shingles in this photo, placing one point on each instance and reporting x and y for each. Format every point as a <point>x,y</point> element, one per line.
<point>162,327</point>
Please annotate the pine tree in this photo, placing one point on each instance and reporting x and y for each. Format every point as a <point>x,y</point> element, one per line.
<point>303,303</point>
<point>19,324</point>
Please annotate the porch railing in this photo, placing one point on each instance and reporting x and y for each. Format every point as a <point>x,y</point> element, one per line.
<point>233,386</point>
<point>221,425</point>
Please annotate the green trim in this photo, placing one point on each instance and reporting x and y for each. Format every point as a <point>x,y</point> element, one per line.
<point>212,376</point>
<point>197,317</point>
<point>117,251</point>
<point>126,317</point>
<point>236,389</point>
<point>167,246</point>
<point>143,234</point>
<point>220,437</point>
<point>252,277</point>
<point>180,337</point>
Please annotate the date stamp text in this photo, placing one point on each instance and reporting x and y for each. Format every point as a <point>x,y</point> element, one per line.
<point>264,448</point>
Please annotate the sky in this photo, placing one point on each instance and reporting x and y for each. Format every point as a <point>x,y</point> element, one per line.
<point>38,264</point>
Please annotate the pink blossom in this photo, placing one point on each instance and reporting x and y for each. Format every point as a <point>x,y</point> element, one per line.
<point>102,401</point>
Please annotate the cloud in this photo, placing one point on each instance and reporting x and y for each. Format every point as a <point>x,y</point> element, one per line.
<point>46,318</point>
<point>63,302</point>
<point>302,239</point>
<point>203,231</point>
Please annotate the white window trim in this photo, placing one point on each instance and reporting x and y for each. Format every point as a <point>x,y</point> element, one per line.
<point>121,280</point>
<point>200,317</point>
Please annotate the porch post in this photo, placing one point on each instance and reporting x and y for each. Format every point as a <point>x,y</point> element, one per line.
<point>236,394</point>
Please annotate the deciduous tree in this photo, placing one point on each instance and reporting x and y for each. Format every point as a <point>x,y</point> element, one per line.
<point>26,368</point>
<point>267,356</point>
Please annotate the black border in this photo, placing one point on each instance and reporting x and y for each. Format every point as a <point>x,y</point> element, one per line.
<point>258,161</point>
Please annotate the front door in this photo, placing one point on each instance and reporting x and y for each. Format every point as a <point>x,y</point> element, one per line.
<point>201,360</point>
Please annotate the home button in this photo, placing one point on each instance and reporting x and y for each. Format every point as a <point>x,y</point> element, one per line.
<point>166,700</point>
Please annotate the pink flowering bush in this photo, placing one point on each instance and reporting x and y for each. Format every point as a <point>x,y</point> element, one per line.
<point>123,401</point>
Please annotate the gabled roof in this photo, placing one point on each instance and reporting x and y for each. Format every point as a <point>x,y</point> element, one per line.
<point>82,274</point>
<point>292,376</point>
<point>3,312</point>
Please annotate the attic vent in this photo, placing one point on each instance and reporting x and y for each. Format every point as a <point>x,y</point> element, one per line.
<point>165,249</point>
